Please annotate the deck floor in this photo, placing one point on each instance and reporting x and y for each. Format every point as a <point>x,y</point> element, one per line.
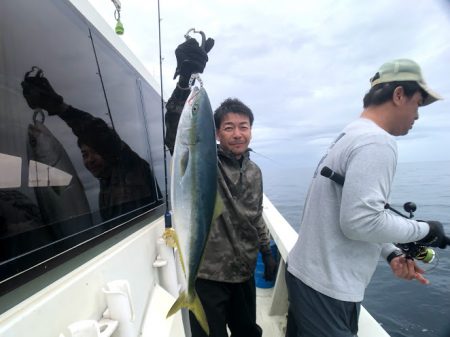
<point>273,326</point>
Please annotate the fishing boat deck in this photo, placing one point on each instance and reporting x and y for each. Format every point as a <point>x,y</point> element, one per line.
<point>272,326</point>
<point>275,325</point>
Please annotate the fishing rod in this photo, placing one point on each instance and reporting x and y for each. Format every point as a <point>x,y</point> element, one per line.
<point>167,214</point>
<point>101,80</point>
<point>412,250</point>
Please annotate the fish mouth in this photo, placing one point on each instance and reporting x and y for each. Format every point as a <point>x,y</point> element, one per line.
<point>194,96</point>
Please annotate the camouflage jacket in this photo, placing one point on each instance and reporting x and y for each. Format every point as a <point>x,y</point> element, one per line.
<point>239,232</point>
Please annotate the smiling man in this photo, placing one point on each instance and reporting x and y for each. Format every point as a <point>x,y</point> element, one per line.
<point>234,129</point>
<point>346,228</point>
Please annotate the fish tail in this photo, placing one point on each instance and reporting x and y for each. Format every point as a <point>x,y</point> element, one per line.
<point>193,304</point>
<point>199,313</point>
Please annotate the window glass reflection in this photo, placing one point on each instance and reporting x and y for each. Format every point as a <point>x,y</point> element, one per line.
<point>10,171</point>
<point>75,155</point>
<point>132,183</point>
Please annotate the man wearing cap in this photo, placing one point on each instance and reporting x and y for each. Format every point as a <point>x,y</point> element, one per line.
<point>346,228</point>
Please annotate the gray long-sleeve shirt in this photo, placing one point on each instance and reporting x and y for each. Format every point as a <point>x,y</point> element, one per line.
<point>345,229</point>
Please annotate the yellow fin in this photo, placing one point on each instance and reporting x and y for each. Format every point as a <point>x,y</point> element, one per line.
<point>194,305</point>
<point>171,238</point>
<point>218,207</point>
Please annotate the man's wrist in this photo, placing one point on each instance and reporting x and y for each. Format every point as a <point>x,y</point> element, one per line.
<point>182,87</point>
<point>183,82</point>
<point>393,255</point>
<point>58,109</point>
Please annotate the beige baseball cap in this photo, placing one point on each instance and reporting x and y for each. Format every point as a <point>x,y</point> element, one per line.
<point>404,70</point>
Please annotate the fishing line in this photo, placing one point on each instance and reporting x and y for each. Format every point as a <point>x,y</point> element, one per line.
<point>264,156</point>
<point>167,215</point>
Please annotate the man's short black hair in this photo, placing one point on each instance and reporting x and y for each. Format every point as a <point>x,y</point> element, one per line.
<point>383,92</point>
<point>232,105</point>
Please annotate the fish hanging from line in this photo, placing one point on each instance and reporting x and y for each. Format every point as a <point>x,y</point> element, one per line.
<point>194,194</point>
<point>59,192</point>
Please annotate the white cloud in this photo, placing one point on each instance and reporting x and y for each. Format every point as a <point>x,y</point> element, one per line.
<point>302,66</point>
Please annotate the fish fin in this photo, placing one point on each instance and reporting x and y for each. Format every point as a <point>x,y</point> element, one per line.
<point>181,302</point>
<point>171,238</point>
<point>184,162</point>
<point>199,313</point>
<point>218,207</point>
<point>193,305</point>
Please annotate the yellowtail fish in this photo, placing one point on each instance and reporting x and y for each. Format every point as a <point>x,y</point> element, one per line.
<point>194,193</point>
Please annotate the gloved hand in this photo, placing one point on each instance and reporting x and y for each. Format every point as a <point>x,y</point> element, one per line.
<point>39,93</point>
<point>191,58</point>
<point>436,236</point>
<point>270,266</point>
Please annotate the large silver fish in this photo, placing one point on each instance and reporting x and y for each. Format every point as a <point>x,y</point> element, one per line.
<point>194,196</point>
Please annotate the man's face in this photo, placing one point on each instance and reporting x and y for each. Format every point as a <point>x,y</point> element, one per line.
<point>408,113</point>
<point>234,133</point>
<point>93,161</point>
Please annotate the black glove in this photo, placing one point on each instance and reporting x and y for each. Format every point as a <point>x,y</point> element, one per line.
<point>191,58</point>
<point>436,236</point>
<point>39,93</point>
<point>270,266</point>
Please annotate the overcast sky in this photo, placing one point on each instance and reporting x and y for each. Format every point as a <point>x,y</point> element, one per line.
<point>303,67</point>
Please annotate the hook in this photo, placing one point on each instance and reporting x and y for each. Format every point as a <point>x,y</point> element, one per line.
<point>187,37</point>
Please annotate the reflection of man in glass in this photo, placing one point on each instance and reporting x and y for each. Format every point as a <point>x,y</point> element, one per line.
<point>126,180</point>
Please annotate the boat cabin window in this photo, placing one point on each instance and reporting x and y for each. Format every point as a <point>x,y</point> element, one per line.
<point>80,136</point>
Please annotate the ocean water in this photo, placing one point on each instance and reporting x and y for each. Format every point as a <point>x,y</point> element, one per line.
<point>403,308</point>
